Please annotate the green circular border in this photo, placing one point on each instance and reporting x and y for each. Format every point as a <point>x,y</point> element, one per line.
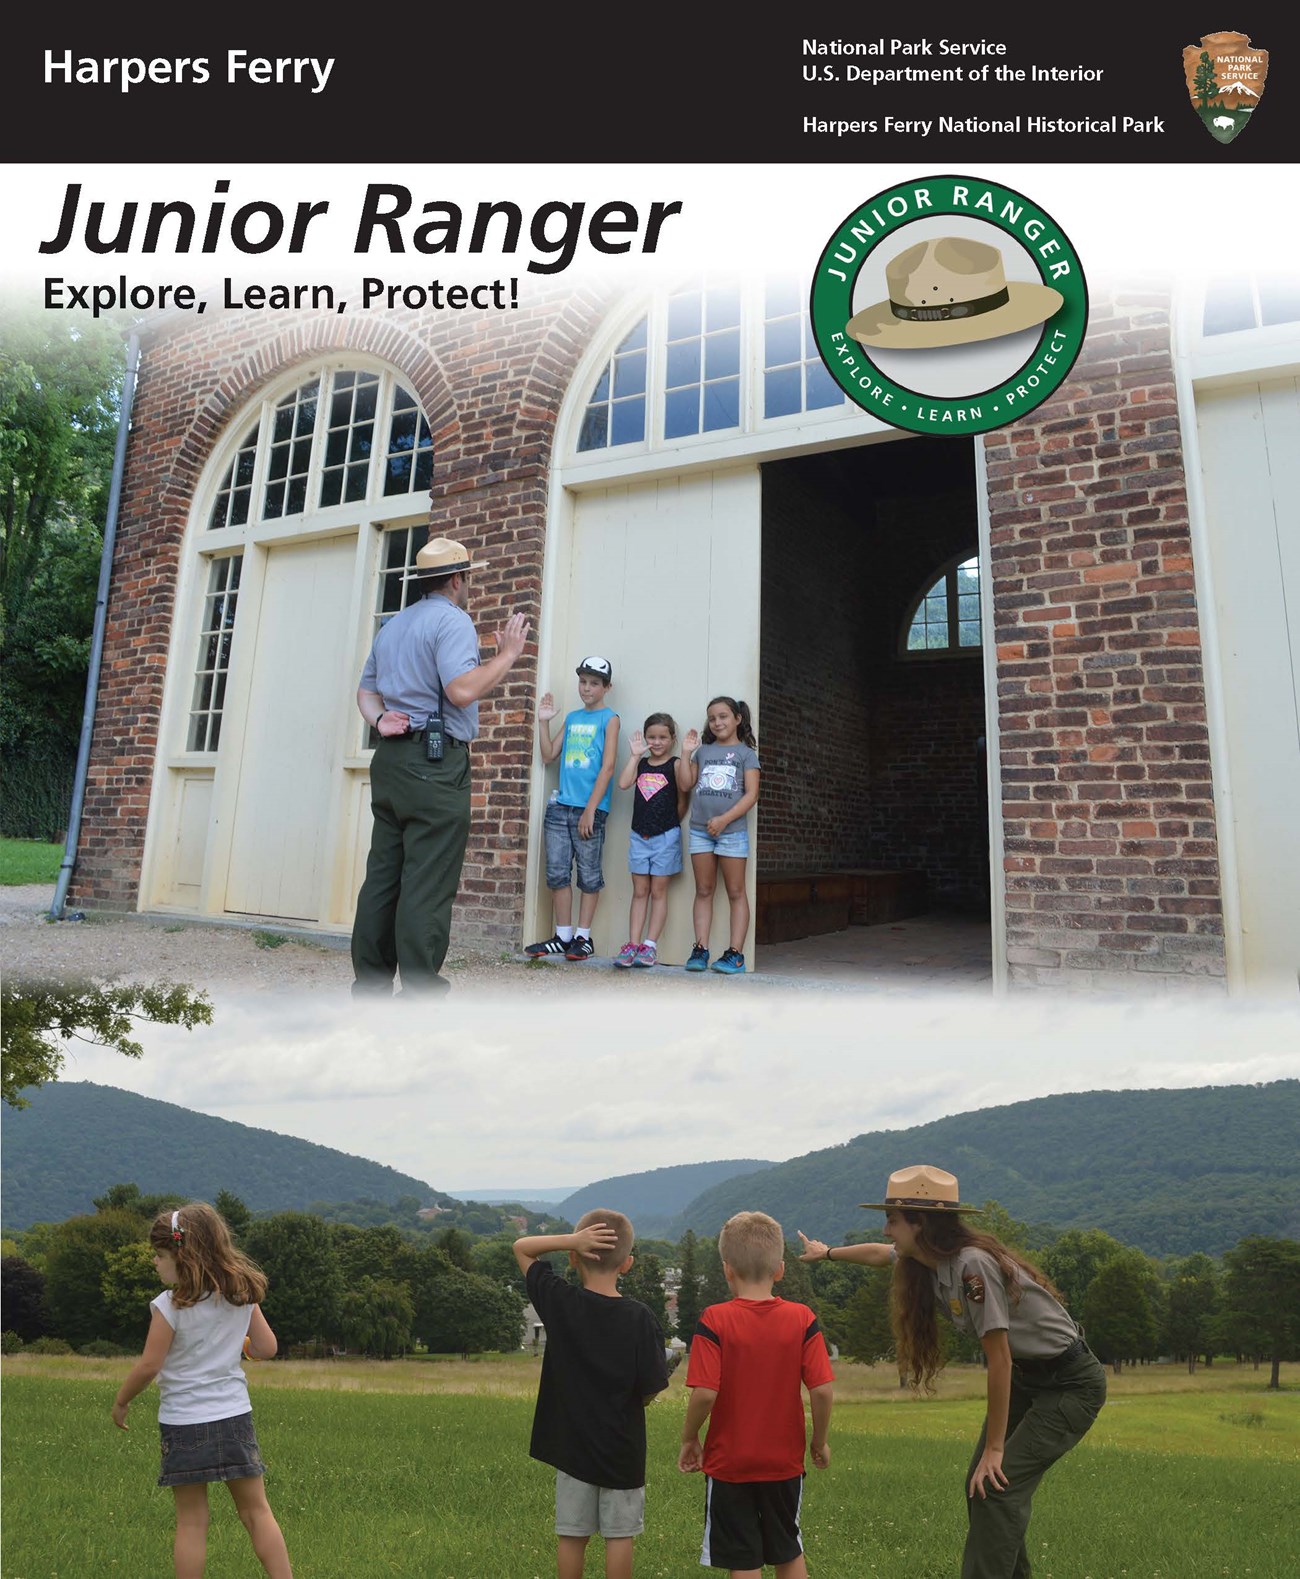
<point>831,307</point>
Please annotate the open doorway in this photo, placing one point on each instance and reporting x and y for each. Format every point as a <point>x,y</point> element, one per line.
<point>874,811</point>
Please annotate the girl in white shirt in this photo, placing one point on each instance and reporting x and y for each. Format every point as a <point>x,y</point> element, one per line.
<point>203,1323</point>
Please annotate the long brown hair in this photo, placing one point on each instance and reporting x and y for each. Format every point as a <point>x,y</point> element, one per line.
<point>207,1262</point>
<point>744,723</point>
<point>913,1312</point>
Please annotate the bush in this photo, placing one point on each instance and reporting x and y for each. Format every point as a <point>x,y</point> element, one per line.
<point>10,1343</point>
<point>49,1346</point>
<point>102,1349</point>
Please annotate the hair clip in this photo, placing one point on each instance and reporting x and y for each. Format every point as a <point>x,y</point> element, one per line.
<point>178,1233</point>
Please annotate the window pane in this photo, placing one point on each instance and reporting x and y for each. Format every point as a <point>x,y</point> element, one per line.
<point>595,429</point>
<point>722,355</point>
<point>683,364</point>
<point>782,297</point>
<point>1279,300</point>
<point>629,422</point>
<point>781,392</point>
<point>1229,306</point>
<point>823,391</point>
<point>684,315</point>
<point>629,374</point>
<point>681,413</point>
<point>783,342</point>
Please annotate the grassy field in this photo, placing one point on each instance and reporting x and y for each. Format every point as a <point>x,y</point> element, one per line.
<point>423,1470</point>
<point>28,861</point>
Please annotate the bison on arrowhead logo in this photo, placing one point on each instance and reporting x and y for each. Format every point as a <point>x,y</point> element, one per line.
<point>1225,78</point>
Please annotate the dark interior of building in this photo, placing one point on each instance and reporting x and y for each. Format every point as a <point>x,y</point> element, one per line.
<point>873,803</point>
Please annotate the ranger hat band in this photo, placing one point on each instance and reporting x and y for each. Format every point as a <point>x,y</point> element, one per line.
<point>950,291</point>
<point>442,556</point>
<point>920,1189</point>
<point>600,667</point>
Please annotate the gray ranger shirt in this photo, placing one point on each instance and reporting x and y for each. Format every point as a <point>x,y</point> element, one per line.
<point>971,1289</point>
<point>414,655</point>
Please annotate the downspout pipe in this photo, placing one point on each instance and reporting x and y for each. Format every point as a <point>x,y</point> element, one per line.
<point>97,637</point>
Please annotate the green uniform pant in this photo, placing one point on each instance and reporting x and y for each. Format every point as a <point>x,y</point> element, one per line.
<point>1050,1413</point>
<point>417,847</point>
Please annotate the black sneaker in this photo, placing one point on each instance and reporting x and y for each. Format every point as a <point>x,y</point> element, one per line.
<point>551,945</point>
<point>580,948</point>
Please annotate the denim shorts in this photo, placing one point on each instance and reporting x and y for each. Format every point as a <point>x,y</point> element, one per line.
<point>564,848</point>
<point>582,1509</point>
<point>214,1450</point>
<point>660,855</point>
<point>733,840</point>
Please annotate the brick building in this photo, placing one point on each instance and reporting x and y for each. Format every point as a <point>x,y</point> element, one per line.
<point>1045,676</point>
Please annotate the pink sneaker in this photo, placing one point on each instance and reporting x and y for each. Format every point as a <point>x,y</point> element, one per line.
<point>646,955</point>
<point>627,955</point>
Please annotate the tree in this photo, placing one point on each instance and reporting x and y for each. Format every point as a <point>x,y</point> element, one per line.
<point>59,394</point>
<point>1204,83</point>
<point>127,1198</point>
<point>867,1335</point>
<point>1262,1300</point>
<point>645,1282</point>
<point>366,1253</point>
<point>304,1279</point>
<point>37,1017</point>
<point>376,1317</point>
<point>457,1247</point>
<point>689,1303</point>
<point>1074,1259</point>
<point>237,1216</point>
<point>459,1312</point>
<point>1192,1309</point>
<point>127,1284</point>
<point>1117,1312</point>
<point>494,1259</point>
<point>22,1299</point>
<point>75,1262</point>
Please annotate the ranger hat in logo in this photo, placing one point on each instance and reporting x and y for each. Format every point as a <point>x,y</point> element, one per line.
<point>951,290</point>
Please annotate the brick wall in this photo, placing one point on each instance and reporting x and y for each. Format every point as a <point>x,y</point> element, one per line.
<point>491,385</point>
<point>1111,857</point>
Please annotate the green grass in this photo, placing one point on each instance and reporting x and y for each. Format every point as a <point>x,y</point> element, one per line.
<point>425,1470</point>
<point>28,861</point>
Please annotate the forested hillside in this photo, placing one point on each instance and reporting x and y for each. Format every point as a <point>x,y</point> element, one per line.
<point>77,1139</point>
<point>1170,1172</point>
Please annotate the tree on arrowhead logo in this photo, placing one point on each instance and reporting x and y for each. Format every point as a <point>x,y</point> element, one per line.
<point>1225,79</point>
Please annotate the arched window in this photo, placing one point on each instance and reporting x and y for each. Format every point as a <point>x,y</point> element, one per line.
<point>343,439</point>
<point>709,357</point>
<point>945,618</point>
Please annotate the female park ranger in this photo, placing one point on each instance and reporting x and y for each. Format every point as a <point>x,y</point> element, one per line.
<point>1045,1387</point>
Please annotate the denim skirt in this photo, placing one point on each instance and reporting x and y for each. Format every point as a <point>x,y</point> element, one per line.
<point>214,1450</point>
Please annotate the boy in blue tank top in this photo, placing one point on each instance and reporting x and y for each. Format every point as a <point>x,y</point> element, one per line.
<point>574,826</point>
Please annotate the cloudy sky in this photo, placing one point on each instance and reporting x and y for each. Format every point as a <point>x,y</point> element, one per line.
<point>526,1091</point>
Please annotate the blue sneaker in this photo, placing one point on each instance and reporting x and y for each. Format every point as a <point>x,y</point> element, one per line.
<point>699,959</point>
<point>731,963</point>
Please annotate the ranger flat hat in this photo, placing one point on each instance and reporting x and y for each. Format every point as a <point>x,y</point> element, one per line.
<point>920,1189</point>
<point>442,556</point>
<point>950,291</point>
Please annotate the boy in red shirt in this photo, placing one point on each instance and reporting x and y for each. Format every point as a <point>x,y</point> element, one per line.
<point>748,1360</point>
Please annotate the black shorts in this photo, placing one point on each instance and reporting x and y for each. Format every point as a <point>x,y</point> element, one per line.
<point>751,1523</point>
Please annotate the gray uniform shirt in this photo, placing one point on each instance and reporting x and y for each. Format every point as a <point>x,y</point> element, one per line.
<point>971,1289</point>
<point>414,655</point>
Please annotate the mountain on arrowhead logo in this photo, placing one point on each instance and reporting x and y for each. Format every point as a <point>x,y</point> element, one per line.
<point>1225,78</point>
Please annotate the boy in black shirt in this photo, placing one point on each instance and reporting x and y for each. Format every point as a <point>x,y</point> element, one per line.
<point>604,1361</point>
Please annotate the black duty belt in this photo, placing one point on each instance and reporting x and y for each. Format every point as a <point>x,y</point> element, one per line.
<point>419,734</point>
<point>1045,1367</point>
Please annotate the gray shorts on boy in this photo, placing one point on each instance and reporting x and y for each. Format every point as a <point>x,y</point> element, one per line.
<point>583,1510</point>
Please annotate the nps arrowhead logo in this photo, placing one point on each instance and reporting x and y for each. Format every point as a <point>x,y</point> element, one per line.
<point>1225,78</point>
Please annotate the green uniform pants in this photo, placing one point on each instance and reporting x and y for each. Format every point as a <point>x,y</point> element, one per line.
<point>417,847</point>
<point>1050,1413</point>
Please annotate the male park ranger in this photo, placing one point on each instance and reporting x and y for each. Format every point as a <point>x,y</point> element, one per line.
<point>420,692</point>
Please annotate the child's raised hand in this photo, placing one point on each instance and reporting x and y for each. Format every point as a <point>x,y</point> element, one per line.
<point>813,1249</point>
<point>594,1238</point>
<point>637,743</point>
<point>691,741</point>
<point>546,708</point>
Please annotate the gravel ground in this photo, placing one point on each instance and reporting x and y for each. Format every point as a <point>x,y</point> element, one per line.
<point>252,959</point>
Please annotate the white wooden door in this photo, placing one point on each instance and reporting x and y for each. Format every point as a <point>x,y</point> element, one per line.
<point>663,579</point>
<point>292,741</point>
<point>1250,453</point>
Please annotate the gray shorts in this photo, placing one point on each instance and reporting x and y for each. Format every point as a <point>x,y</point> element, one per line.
<point>584,1510</point>
<point>565,848</point>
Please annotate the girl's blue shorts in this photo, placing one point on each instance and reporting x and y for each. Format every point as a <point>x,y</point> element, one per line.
<point>213,1450</point>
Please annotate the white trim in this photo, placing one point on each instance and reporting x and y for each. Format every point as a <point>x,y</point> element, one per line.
<point>992,738</point>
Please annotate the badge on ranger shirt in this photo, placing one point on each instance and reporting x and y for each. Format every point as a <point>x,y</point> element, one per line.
<point>954,1305</point>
